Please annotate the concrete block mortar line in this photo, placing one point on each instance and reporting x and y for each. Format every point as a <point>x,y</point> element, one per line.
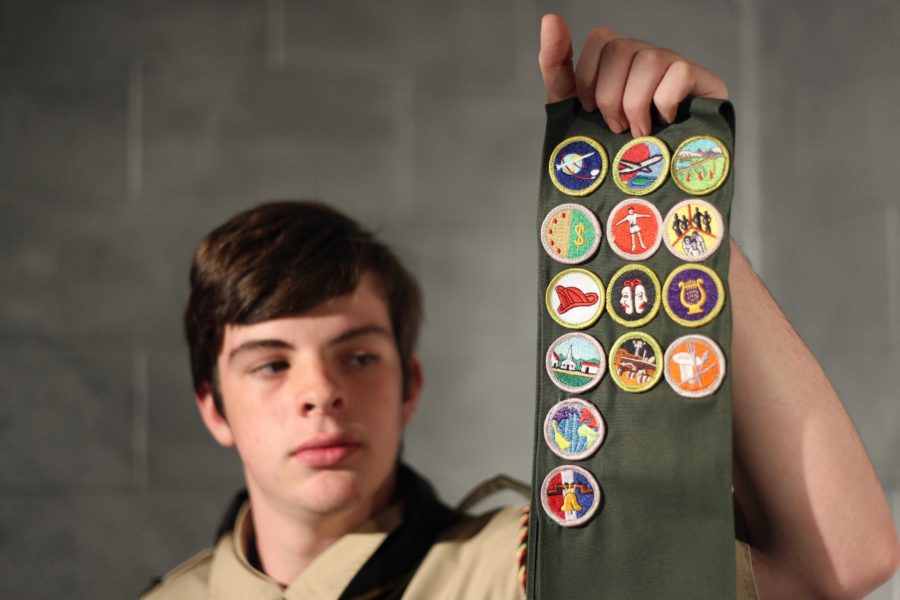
<point>276,34</point>
<point>134,135</point>
<point>403,143</point>
<point>140,468</point>
<point>749,118</point>
<point>892,263</point>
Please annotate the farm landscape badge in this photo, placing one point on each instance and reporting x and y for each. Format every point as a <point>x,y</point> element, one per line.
<point>570,495</point>
<point>700,164</point>
<point>578,165</point>
<point>574,429</point>
<point>576,362</point>
<point>575,298</point>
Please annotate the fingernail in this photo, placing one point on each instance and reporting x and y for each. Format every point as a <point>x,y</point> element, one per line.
<point>614,125</point>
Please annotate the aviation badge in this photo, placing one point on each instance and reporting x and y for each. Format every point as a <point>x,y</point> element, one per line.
<point>575,298</point>
<point>574,429</point>
<point>700,164</point>
<point>633,295</point>
<point>634,229</point>
<point>693,295</point>
<point>570,495</point>
<point>694,366</point>
<point>694,230</point>
<point>641,166</point>
<point>576,362</point>
<point>578,165</point>
<point>571,233</point>
<point>634,362</point>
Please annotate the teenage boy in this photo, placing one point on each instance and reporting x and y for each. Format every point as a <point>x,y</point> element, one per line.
<point>302,330</point>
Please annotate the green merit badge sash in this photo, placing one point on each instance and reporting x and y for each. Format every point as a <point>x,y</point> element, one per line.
<point>632,459</point>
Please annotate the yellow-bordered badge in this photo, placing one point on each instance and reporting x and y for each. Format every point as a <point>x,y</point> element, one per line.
<point>700,164</point>
<point>570,495</point>
<point>634,229</point>
<point>574,429</point>
<point>578,165</point>
<point>641,166</point>
<point>694,230</point>
<point>694,366</point>
<point>693,295</point>
<point>634,361</point>
<point>571,233</point>
<point>633,295</point>
<point>575,298</point>
<point>576,362</point>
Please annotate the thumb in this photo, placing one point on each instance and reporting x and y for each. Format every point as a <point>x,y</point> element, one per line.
<point>555,59</point>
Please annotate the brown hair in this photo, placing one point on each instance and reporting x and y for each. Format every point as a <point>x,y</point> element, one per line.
<point>280,259</point>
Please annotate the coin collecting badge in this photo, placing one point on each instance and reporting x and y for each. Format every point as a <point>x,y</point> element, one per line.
<point>693,295</point>
<point>576,362</point>
<point>633,295</point>
<point>641,166</point>
<point>571,233</point>
<point>574,429</point>
<point>634,362</point>
<point>578,165</point>
<point>575,298</point>
<point>694,230</point>
<point>634,229</point>
<point>700,164</point>
<point>695,366</point>
<point>570,495</point>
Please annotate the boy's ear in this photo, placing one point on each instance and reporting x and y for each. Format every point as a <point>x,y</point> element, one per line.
<point>213,419</point>
<point>413,389</point>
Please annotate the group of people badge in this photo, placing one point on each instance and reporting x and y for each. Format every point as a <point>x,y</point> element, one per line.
<point>691,295</point>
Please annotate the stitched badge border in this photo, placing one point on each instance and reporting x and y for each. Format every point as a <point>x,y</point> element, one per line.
<point>707,390</point>
<point>716,218</point>
<point>611,223</point>
<point>617,374</point>
<point>594,378</point>
<point>600,302</point>
<point>611,302</point>
<point>551,246</point>
<point>664,160</point>
<point>582,411</point>
<point>726,168</point>
<point>596,493</point>
<point>604,167</point>
<point>712,314</point>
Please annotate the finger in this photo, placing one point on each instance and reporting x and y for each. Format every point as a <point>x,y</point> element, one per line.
<point>647,70</point>
<point>683,79</point>
<point>612,74</point>
<point>588,64</point>
<point>555,59</point>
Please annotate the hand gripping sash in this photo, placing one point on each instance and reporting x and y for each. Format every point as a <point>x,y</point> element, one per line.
<point>661,523</point>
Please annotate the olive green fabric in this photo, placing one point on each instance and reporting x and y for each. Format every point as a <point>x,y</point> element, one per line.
<point>666,527</point>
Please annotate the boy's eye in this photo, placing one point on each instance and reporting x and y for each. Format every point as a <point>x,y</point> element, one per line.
<point>362,359</point>
<point>271,368</point>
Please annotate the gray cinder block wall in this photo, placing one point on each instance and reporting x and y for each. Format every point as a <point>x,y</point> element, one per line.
<point>129,129</point>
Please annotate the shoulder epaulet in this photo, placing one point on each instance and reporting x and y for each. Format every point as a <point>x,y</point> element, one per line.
<point>188,565</point>
<point>490,487</point>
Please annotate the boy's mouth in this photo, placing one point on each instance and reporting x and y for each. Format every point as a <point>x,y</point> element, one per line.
<point>326,451</point>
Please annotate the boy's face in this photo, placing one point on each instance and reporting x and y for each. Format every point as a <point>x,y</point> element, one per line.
<point>314,405</point>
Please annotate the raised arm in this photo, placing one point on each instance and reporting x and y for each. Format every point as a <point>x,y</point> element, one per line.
<point>818,520</point>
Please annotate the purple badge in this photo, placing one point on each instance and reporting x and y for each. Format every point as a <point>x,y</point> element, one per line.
<point>693,295</point>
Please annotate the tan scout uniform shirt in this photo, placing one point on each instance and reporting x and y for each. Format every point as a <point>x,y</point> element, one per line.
<point>474,559</point>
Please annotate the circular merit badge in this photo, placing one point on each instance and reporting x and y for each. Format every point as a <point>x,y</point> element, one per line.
<point>634,362</point>
<point>575,298</point>
<point>574,429</point>
<point>634,229</point>
<point>694,230</point>
<point>700,164</point>
<point>571,233</point>
<point>641,165</point>
<point>633,295</point>
<point>695,366</point>
<point>693,295</point>
<point>576,362</point>
<point>570,495</point>
<point>578,165</point>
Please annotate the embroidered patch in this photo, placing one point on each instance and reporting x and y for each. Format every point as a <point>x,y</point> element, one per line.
<point>693,295</point>
<point>578,165</point>
<point>641,165</point>
<point>700,164</point>
<point>571,233</point>
<point>575,298</point>
<point>634,362</point>
<point>634,229</point>
<point>570,495</point>
<point>694,230</point>
<point>633,295</point>
<point>576,362</point>
<point>574,429</point>
<point>695,366</point>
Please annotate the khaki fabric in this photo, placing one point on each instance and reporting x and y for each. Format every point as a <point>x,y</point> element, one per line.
<point>475,559</point>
